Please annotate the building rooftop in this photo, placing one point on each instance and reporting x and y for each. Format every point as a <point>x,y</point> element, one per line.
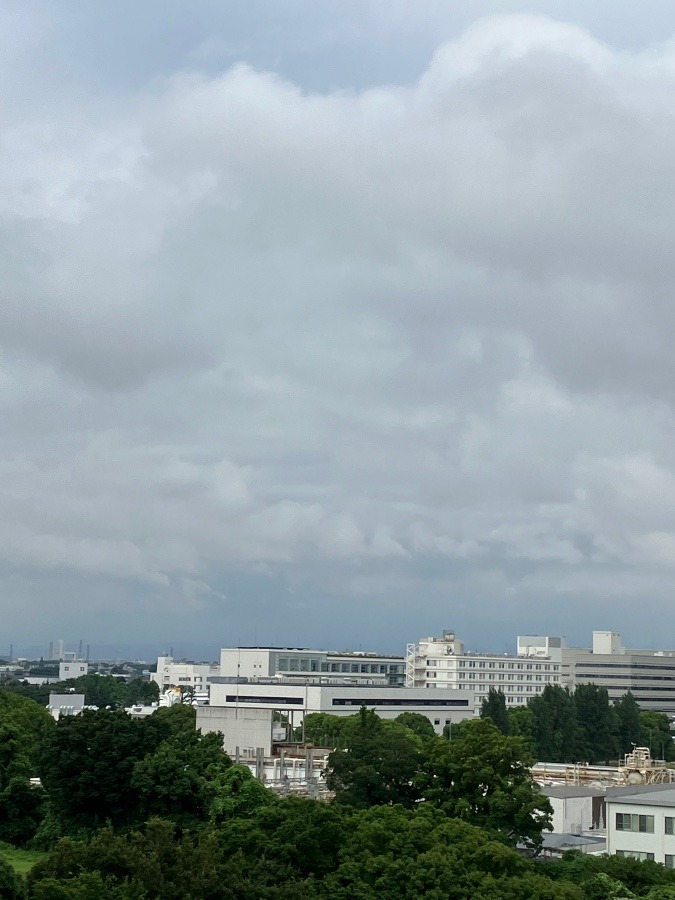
<point>563,791</point>
<point>654,795</point>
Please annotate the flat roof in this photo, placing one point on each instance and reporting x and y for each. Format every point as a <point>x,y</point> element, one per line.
<point>664,797</point>
<point>561,791</point>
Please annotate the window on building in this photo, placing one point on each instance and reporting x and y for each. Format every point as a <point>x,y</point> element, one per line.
<point>636,854</point>
<point>669,861</point>
<point>294,664</point>
<point>634,822</point>
<point>431,662</point>
<point>437,721</point>
<point>304,664</point>
<point>669,825</point>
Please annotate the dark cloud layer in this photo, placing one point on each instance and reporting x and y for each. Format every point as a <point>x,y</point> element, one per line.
<point>338,365</point>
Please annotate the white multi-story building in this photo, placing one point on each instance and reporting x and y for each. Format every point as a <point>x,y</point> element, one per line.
<point>641,825</point>
<point>443,663</point>
<point>291,663</point>
<point>187,675</point>
<point>73,669</point>
<point>648,674</point>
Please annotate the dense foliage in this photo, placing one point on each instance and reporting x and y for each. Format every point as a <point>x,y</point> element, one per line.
<point>98,690</point>
<point>150,809</point>
<point>564,726</point>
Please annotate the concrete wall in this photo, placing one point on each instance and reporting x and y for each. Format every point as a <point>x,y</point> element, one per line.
<point>242,728</point>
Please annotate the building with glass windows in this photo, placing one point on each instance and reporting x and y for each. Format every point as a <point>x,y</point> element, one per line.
<point>648,674</point>
<point>321,666</point>
<point>641,825</point>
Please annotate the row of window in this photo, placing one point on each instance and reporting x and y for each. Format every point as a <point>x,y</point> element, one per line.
<point>634,822</point>
<point>527,667</point>
<point>642,856</point>
<point>306,664</point>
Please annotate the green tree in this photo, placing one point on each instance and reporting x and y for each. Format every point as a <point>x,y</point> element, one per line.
<point>493,707</point>
<point>176,781</point>
<point>377,765</point>
<point>628,723</point>
<point>521,724</point>
<point>22,725</point>
<point>556,736</point>
<point>655,733</point>
<point>322,729</point>
<point>483,778</point>
<point>597,723</point>
<point>418,724</point>
<point>87,764</point>
<point>237,794</point>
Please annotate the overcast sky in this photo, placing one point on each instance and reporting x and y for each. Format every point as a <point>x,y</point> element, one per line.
<point>336,323</point>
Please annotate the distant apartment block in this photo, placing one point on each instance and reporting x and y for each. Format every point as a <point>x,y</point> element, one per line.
<point>442,663</point>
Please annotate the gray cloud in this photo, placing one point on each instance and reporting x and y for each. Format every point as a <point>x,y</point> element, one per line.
<point>401,349</point>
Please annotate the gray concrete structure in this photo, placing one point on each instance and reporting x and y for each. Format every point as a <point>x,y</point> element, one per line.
<point>648,674</point>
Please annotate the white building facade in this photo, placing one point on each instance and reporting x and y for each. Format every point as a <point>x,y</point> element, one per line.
<point>243,710</point>
<point>642,825</point>
<point>442,663</point>
<point>73,669</point>
<point>189,676</point>
<point>290,663</point>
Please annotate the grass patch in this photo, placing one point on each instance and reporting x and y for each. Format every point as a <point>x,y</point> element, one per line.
<point>22,861</point>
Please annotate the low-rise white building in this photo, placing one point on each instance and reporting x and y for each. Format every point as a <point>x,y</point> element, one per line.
<point>183,674</point>
<point>73,669</point>
<point>65,705</point>
<point>641,825</point>
<point>443,663</point>
<point>290,663</point>
<point>243,710</point>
